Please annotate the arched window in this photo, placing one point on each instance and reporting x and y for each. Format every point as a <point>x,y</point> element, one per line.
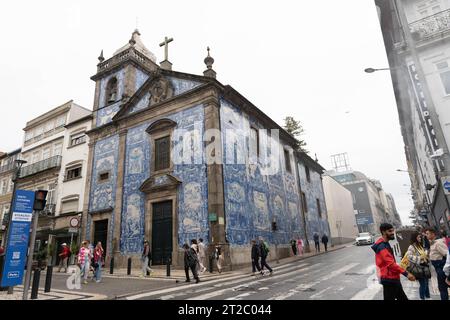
<point>111,91</point>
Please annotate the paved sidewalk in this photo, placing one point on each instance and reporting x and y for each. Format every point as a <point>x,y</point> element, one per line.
<point>53,295</point>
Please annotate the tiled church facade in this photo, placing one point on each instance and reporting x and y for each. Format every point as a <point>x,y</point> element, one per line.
<point>123,186</point>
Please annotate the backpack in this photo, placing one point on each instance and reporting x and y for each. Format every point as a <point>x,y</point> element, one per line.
<point>265,248</point>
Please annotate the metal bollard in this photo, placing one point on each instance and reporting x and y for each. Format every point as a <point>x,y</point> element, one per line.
<point>35,285</point>
<point>48,279</point>
<point>211,261</point>
<point>111,266</point>
<point>168,266</point>
<point>129,266</point>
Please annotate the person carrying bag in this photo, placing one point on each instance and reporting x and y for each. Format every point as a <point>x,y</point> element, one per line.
<point>418,263</point>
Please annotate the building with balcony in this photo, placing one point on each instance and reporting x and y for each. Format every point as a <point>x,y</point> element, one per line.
<point>417,39</point>
<point>55,148</point>
<point>7,171</point>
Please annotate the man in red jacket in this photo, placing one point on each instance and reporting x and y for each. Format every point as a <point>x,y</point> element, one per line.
<point>388,270</point>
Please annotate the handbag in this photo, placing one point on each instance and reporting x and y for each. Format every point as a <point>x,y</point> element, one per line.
<point>418,270</point>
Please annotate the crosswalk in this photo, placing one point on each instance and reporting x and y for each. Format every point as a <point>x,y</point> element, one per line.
<point>244,286</point>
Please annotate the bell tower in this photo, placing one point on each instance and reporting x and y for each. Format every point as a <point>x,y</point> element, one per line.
<point>120,76</point>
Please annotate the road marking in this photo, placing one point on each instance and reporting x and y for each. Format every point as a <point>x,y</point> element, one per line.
<point>238,297</point>
<point>307,286</point>
<point>221,292</point>
<point>241,277</point>
<point>372,288</point>
<point>320,293</point>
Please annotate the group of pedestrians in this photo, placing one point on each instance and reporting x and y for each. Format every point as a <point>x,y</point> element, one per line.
<point>195,258</point>
<point>297,246</point>
<point>317,240</point>
<point>425,250</point>
<point>91,259</point>
<point>259,253</point>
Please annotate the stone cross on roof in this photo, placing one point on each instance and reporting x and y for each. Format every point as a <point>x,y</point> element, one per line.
<point>166,49</point>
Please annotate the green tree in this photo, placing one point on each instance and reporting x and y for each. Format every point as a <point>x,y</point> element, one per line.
<point>295,129</point>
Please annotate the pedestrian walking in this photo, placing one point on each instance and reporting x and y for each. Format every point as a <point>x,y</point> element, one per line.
<point>316,241</point>
<point>438,257</point>
<point>294,246</point>
<point>300,246</point>
<point>202,255</point>
<point>98,261</point>
<point>84,260</point>
<point>217,255</point>
<point>64,257</point>
<point>447,268</point>
<point>190,262</point>
<point>419,264</point>
<point>256,254</point>
<point>388,270</point>
<point>145,260</point>
<point>264,248</point>
<point>325,241</point>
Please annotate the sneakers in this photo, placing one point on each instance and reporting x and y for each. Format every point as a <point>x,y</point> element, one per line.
<point>204,269</point>
<point>85,282</point>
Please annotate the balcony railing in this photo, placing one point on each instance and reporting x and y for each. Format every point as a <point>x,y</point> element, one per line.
<point>50,163</point>
<point>430,26</point>
<point>7,167</point>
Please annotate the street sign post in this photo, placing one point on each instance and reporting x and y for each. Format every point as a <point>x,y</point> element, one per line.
<point>17,246</point>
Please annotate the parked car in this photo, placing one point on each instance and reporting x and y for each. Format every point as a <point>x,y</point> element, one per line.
<point>364,238</point>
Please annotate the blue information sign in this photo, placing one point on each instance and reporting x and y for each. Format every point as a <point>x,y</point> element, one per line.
<point>19,233</point>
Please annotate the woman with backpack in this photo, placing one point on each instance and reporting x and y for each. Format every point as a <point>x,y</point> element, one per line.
<point>264,253</point>
<point>419,264</point>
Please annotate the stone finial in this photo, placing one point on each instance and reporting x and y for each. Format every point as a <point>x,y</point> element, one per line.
<point>134,35</point>
<point>209,61</point>
<point>101,58</point>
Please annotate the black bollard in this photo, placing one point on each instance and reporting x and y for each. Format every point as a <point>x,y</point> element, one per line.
<point>211,261</point>
<point>129,266</point>
<point>111,266</point>
<point>168,266</point>
<point>48,279</point>
<point>35,285</point>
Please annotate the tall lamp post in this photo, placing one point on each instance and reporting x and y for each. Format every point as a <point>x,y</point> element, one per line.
<point>19,163</point>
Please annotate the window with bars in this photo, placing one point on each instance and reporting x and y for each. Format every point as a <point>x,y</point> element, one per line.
<point>162,153</point>
<point>73,173</point>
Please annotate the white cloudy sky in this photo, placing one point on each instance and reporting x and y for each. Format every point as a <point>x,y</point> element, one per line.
<point>299,58</point>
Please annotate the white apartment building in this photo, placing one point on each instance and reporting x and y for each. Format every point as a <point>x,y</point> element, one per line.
<point>56,150</point>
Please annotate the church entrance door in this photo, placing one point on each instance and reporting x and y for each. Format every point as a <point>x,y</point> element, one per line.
<point>162,232</point>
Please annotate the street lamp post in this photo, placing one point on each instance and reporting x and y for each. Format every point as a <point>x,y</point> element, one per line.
<point>372,70</point>
<point>19,163</point>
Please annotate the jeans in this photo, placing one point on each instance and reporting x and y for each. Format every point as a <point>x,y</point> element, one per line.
<point>255,265</point>
<point>98,271</point>
<point>394,291</point>
<point>424,289</point>
<point>325,244</point>
<point>442,285</point>
<point>85,269</point>
<point>145,266</point>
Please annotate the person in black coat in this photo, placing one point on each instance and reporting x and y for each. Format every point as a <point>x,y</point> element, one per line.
<point>325,241</point>
<point>190,262</point>
<point>256,254</point>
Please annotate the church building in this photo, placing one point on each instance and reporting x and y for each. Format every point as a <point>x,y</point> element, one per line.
<point>176,156</point>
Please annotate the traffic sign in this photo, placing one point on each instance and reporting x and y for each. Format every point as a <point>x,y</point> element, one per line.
<point>73,230</point>
<point>446,185</point>
<point>74,222</point>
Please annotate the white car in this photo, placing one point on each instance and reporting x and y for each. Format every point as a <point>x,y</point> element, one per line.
<point>364,238</point>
